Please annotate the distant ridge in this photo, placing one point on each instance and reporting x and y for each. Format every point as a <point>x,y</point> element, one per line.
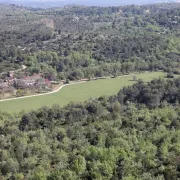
<point>60,3</point>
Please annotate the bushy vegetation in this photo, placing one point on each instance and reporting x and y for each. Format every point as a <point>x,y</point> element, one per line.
<point>77,42</point>
<point>107,138</point>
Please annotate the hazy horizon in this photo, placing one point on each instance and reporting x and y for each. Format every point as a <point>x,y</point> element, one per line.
<point>54,3</point>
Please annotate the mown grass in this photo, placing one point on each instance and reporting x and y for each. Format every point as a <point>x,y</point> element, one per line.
<point>76,93</point>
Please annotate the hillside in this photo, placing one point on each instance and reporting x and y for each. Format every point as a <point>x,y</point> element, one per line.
<point>86,37</point>
<point>126,128</point>
<point>79,42</point>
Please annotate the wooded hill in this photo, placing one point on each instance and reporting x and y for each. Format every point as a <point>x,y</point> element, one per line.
<point>78,41</point>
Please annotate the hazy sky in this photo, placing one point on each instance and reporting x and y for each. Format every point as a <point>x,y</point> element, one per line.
<point>90,1</point>
<point>49,3</point>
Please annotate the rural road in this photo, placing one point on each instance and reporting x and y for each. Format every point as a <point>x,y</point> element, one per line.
<point>43,94</point>
<point>52,92</point>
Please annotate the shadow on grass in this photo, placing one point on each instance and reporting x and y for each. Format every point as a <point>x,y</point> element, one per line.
<point>132,80</point>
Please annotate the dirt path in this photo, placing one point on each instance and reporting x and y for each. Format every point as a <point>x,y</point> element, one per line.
<point>23,68</point>
<point>55,91</point>
<point>43,94</point>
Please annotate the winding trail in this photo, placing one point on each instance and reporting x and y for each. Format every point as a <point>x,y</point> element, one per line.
<point>42,94</point>
<point>23,68</point>
<point>55,91</point>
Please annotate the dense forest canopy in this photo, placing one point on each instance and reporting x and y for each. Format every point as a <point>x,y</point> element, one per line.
<point>78,41</point>
<point>132,135</point>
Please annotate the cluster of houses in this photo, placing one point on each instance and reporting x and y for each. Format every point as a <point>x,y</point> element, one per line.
<point>32,81</point>
<point>24,82</point>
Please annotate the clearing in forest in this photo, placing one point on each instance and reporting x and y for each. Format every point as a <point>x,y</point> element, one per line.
<point>76,93</point>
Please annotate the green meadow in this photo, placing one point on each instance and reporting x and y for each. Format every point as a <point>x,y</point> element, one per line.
<point>76,93</point>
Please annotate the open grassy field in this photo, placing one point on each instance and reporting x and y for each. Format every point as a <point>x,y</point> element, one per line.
<point>76,93</point>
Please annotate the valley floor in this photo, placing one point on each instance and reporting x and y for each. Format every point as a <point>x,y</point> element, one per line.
<point>77,93</point>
